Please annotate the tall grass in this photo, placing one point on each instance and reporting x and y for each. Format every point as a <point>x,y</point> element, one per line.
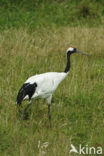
<point>78,103</point>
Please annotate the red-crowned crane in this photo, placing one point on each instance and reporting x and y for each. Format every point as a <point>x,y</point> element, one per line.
<point>44,85</point>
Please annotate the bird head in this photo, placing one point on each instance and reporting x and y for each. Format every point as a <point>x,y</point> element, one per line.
<point>72,50</point>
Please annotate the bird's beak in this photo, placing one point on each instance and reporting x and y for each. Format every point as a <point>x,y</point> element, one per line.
<point>78,51</point>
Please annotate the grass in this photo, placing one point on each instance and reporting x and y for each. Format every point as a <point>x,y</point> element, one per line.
<point>36,14</point>
<point>78,104</point>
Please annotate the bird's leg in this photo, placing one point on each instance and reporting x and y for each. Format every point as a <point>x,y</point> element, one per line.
<point>49,102</point>
<point>25,111</point>
<point>49,114</point>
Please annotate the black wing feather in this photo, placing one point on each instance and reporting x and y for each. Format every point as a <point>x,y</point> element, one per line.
<point>26,89</point>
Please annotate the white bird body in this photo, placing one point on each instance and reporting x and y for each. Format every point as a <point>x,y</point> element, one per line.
<point>46,84</point>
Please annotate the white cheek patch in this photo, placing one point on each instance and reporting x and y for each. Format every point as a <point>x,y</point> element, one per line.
<point>70,49</point>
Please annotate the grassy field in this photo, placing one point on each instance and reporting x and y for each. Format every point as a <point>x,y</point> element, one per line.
<point>34,14</point>
<point>78,104</point>
<point>34,37</point>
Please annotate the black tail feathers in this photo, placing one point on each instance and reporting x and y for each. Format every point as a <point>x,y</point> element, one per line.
<point>26,89</point>
<point>20,96</point>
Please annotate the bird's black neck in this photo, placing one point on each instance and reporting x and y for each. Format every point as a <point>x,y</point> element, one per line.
<point>68,64</point>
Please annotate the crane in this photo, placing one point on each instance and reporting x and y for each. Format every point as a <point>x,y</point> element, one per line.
<point>43,85</point>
